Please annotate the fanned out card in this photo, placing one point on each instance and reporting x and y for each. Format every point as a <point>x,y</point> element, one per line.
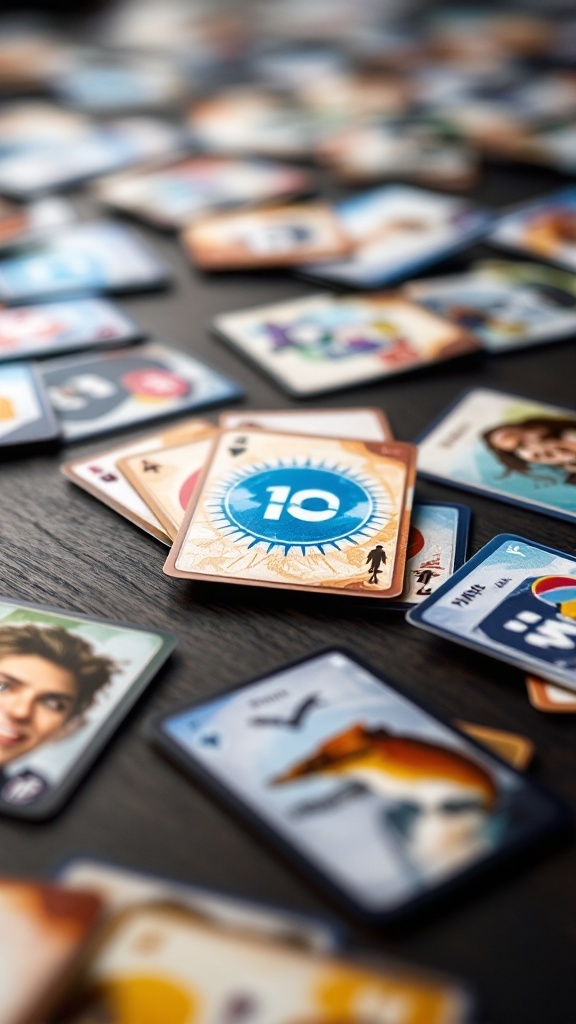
<point>27,420</point>
<point>512,448</point>
<point>318,514</point>
<point>328,342</point>
<point>98,474</point>
<point>515,600</point>
<point>437,545</point>
<point>167,479</point>
<point>358,424</point>
<point>99,393</point>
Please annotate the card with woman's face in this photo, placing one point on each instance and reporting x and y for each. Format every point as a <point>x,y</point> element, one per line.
<point>509,447</point>
<point>66,682</point>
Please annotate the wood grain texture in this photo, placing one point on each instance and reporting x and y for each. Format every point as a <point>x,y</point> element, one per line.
<point>512,938</point>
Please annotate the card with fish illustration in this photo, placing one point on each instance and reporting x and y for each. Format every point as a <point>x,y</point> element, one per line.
<point>506,305</point>
<point>328,342</point>
<point>379,800</point>
<point>100,256</point>
<point>95,394</point>
<point>515,449</point>
<point>545,696</point>
<point>319,514</point>
<point>99,475</point>
<point>510,746</point>
<point>437,545</point>
<point>167,963</point>
<point>50,328</point>
<point>120,888</point>
<point>43,927</point>
<point>398,230</point>
<point>545,228</point>
<point>27,419</point>
<point>272,237</point>
<point>172,195</point>
<point>23,224</point>
<point>514,600</point>
<point>357,424</point>
<point>167,479</point>
<point>85,673</point>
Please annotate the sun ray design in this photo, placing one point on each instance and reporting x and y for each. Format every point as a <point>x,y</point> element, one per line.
<point>300,504</point>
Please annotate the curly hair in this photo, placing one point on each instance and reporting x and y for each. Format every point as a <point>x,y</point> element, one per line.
<point>91,671</point>
<point>552,427</point>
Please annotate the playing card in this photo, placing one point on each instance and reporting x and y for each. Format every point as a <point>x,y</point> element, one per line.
<point>100,476</point>
<point>120,888</point>
<point>378,799</point>
<point>515,600</point>
<point>545,228</point>
<point>49,328</point>
<point>506,305</point>
<point>32,124</point>
<point>515,449</point>
<point>546,697</point>
<point>95,394</point>
<point>108,85</point>
<point>327,342</point>
<point>173,195</point>
<point>320,514</point>
<point>275,236</point>
<point>516,750</point>
<point>101,256</point>
<point>23,224</point>
<point>361,424</point>
<point>42,929</point>
<point>166,479</point>
<point>437,545</point>
<point>397,230</point>
<point>252,121</point>
<point>76,679</point>
<point>26,416</point>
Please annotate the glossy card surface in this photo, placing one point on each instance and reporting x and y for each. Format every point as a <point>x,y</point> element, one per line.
<point>326,342</point>
<point>319,514</point>
<point>101,393</point>
<point>48,328</point>
<point>373,794</point>
<point>26,416</point>
<point>514,600</point>
<point>437,545</point>
<point>512,448</point>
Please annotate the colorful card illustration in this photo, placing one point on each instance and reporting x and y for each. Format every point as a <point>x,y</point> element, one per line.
<point>23,224</point>
<point>378,799</point>
<point>43,927</point>
<point>100,476</point>
<point>252,121</point>
<point>506,305</point>
<point>398,230</point>
<point>171,196</point>
<point>100,256</point>
<point>85,674</point>
<point>272,237</point>
<point>120,888</point>
<point>26,415</point>
<point>170,964</point>
<point>545,696</point>
<point>355,424</point>
<point>437,545</point>
<point>100,393</point>
<point>50,328</point>
<point>516,601</point>
<point>545,229</point>
<point>284,510</point>
<point>512,748</point>
<point>515,449</point>
<point>167,479</point>
<point>328,342</point>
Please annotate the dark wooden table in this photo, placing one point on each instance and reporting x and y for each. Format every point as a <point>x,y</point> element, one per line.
<point>511,939</point>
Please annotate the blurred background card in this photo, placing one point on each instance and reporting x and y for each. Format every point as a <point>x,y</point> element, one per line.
<point>27,420</point>
<point>49,328</point>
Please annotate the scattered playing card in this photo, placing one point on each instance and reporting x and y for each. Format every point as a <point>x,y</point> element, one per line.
<point>360,424</point>
<point>27,420</point>
<point>50,328</point>
<point>23,224</point>
<point>516,750</point>
<point>547,697</point>
<point>328,342</point>
<point>545,228</point>
<point>437,545</point>
<point>95,394</point>
<point>515,600</point>
<point>285,510</point>
<point>515,449</point>
<point>272,237</point>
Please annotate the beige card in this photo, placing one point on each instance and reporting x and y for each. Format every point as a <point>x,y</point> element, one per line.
<point>167,479</point>
<point>358,424</point>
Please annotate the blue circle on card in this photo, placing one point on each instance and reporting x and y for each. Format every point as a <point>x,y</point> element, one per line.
<point>298,506</point>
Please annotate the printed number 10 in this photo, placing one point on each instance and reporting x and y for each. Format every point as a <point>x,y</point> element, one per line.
<point>279,496</point>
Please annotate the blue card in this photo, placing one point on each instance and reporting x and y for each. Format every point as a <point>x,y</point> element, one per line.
<point>100,256</point>
<point>515,600</point>
<point>437,546</point>
<point>26,416</point>
<point>49,328</point>
<point>398,230</point>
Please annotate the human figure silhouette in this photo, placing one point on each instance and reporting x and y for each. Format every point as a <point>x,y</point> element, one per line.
<point>424,578</point>
<point>375,559</point>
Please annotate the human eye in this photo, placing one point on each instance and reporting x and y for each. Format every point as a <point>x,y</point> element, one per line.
<point>5,684</point>
<point>55,703</point>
